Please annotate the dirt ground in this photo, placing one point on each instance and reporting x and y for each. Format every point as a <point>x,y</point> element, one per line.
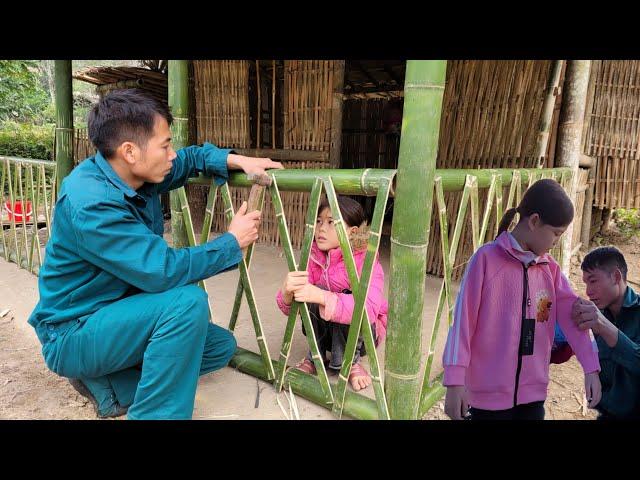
<point>28,390</point>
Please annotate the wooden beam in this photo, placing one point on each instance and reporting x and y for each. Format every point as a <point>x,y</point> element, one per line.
<point>288,155</point>
<point>371,78</point>
<point>393,76</point>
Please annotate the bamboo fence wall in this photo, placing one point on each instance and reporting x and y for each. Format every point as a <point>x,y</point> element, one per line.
<point>490,116</point>
<point>613,132</point>
<point>307,101</point>
<point>221,116</point>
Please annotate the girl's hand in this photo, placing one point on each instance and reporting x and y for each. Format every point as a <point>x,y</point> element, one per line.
<point>455,403</point>
<point>292,282</point>
<point>309,293</point>
<point>593,388</point>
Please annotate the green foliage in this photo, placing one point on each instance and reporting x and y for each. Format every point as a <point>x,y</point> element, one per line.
<point>628,221</point>
<point>26,141</point>
<point>22,97</point>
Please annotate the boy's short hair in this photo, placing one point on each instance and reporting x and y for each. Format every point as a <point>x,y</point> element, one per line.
<point>605,258</point>
<point>124,116</point>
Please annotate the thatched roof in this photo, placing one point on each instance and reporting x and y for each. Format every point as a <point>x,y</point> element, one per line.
<point>111,78</point>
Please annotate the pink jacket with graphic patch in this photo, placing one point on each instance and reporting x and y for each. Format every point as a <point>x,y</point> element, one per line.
<point>327,270</point>
<point>482,349</point>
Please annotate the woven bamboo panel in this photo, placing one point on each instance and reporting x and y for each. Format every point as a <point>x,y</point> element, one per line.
<point>222,115</point>
<point>82,146</point>
<point>490,113</point>
<point>613,132</point>
<point>490,118</point>
<point>308,91</point>
<point>617,183</point>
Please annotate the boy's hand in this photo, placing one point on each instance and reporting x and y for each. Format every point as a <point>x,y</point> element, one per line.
<point>455,403</point>
<point>593,388</point>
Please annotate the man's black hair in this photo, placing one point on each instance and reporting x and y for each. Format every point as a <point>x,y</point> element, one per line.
<point>124,116</point>
<point>605,258</point>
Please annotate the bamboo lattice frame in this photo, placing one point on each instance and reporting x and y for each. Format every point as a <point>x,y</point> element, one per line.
<point>41,194</point>
<point>366,182</point>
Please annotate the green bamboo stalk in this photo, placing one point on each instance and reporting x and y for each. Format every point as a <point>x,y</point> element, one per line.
<point>433,394</point>
<point>451,254</point>
<point>302,308</point>
<point>38,193</point>
<point>47,212</point>
<point>12,203</point>
<point>2,197</point>
<point>499,212</point>
<point>515,181</point>
<point>487,210</point>
<point>363,181</point>
<point>24,211</point>
<point>208,215</point>
<point>518,193</point>
<point>240,289</point>
<point>178,91</point>
<point>475,222</point>
<point>424,87</point>
<point>312,213</point>
<point>248,290</point>
<point>366,182</point>
<point>360,288</point>
<point>356,406</point>
<point>34,227</point>
<point>291,264</point>
<point>64,119</point>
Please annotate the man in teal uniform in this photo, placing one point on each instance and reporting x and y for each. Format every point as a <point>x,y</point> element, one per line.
<point>120,313</point>
<point>613,314</point>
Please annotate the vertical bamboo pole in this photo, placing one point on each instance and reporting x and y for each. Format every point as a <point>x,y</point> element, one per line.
<point>574,100</point>
<point>12,203</point>
<point>34,227</point>
<point>273,105</point>
<point>23,200</point>
<point>64,120</point>
<point>547,112</point>
<point>5,252</point>
<point>336,114</point>
<point>179,103</point>
<point>259,119</point>
<point>424,88</point>
<point>588,207</point>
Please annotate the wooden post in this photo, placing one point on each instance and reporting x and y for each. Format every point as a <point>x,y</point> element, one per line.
<point>574,100</point>
<point>336,114</point>
<point>542,142</point>
<point>587,209</point>
<point>64,120</point>
<point>424,88</point>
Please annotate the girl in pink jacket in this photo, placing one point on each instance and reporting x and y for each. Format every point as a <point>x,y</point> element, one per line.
<point>326,288</point>
<point>496,359</point>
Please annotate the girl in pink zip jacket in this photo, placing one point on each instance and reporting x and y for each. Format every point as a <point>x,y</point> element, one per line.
<point>496,359</point>
<point>326,288</point>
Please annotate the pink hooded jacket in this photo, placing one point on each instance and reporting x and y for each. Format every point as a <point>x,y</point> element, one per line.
<point>327,270</point>
<point>483,346</point>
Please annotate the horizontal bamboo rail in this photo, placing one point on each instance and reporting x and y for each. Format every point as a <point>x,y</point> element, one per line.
<point>367,181</point>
